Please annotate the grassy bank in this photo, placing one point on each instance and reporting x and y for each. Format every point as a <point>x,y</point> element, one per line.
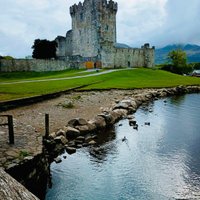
<point>128,79</point>
<point>22,76</point>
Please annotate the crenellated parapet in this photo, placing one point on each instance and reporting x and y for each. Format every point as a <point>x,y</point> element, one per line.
<point>76,9</point>
<point>110,5</point>
<point>87,4</point>
<point>113,6</point>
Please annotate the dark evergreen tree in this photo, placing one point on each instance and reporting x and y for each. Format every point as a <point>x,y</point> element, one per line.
<point>44,49</point>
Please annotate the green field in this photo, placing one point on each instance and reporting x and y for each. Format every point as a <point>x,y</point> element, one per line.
<point>22,76</point>
<point>126,79</point>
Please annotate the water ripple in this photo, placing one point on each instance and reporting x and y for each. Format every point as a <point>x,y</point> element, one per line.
<point>157,162</point>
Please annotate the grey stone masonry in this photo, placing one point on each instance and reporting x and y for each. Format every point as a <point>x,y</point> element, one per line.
<point>93,35</point>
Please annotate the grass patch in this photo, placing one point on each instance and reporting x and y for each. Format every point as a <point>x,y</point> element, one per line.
<point>23,154</point>
<point>77,97</point>
<point>125,79</point>
<point>68,105</point>
<point>142,78</point>
<point>23,76</point>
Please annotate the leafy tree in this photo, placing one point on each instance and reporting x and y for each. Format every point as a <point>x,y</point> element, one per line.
<point>44,49</point>
<point>178,60</point>
<point>6,57</point>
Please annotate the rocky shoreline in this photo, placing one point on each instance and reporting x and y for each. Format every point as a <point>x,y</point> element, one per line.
<point>81,132</point>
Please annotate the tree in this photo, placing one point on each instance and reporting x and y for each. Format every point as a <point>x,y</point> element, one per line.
<point>178,59</point>
<point>44,49</point>
<point>6,57</point>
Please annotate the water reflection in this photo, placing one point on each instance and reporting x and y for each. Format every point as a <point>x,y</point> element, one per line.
<point>106,145</point>
<point>158,161</point>
<point>177,100</point>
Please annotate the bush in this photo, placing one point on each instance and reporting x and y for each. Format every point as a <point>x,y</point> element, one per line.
<point>178,62</point>
<point>195,65</point>
<point>6,57</point>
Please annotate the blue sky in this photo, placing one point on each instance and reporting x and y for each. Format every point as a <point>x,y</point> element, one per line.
<point>158,22</point>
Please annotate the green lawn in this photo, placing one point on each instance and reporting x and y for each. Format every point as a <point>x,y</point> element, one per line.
<point>128,79</point>
<point>22,76</point>
<point>143,78</point>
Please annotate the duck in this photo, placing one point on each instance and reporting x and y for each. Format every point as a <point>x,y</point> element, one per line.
<point>124,139</point>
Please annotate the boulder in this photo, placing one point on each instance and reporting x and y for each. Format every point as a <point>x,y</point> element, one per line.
<point>121,112</point>
<point>61,139</point>
<point>71,132</point>
<point>78,141</point>
<point>99,122</point>
<point>132,122</point>
<point>80,138</point>
<point>92,142</point>
<point>70,150</point>
<point>127,101</point>
<point>52,135</point>
<point>77,122</point>
<point>88,139</point>
<point>91,126</point>
<point>110,120</point>
<point>121,105</point>
<point>130,117</point>
<point>83,129</point>
<point>71,144</point>
<point>78,146</point>
<point>60,132</point>
<point>58,160</point>
<point>116,116</point>
<point>85,145</point>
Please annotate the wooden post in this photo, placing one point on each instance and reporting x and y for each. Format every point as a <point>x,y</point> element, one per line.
<point>10,129</point>
<point>46,125</point>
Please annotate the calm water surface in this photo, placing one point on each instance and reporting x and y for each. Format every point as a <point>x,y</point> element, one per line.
<point>160,161</point>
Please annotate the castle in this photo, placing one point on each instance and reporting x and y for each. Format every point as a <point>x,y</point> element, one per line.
<point>92,41</point>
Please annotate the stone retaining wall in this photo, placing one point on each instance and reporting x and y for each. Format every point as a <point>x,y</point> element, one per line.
<point>19,65</point>
<point>33,173</point>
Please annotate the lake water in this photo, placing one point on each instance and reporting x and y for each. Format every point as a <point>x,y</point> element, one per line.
<point>160,161</point>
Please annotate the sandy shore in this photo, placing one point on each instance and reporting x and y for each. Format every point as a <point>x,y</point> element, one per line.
<point>85,105</point>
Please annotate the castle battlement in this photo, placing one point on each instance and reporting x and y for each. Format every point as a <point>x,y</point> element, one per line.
<point>88,4</point>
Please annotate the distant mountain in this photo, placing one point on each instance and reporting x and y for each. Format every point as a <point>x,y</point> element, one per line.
<point>192,51</point>
<point>121,45</point>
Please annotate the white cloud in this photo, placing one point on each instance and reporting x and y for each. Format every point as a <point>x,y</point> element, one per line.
<point>136,19</point>
<point>158,22</point>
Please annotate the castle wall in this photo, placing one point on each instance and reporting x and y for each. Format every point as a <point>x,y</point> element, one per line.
<point>127,57</point>
<point>61,48</point>
<point>68,47</point>
<point>19,65</point>
<point>107,55</point>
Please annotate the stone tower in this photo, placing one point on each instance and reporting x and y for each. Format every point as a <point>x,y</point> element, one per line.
<point>92,40</point>
<point>93,24</point>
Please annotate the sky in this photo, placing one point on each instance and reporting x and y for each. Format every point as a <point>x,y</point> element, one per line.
<point>158,22</point>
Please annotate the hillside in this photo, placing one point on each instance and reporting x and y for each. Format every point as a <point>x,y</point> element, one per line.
<point>192,51</point>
